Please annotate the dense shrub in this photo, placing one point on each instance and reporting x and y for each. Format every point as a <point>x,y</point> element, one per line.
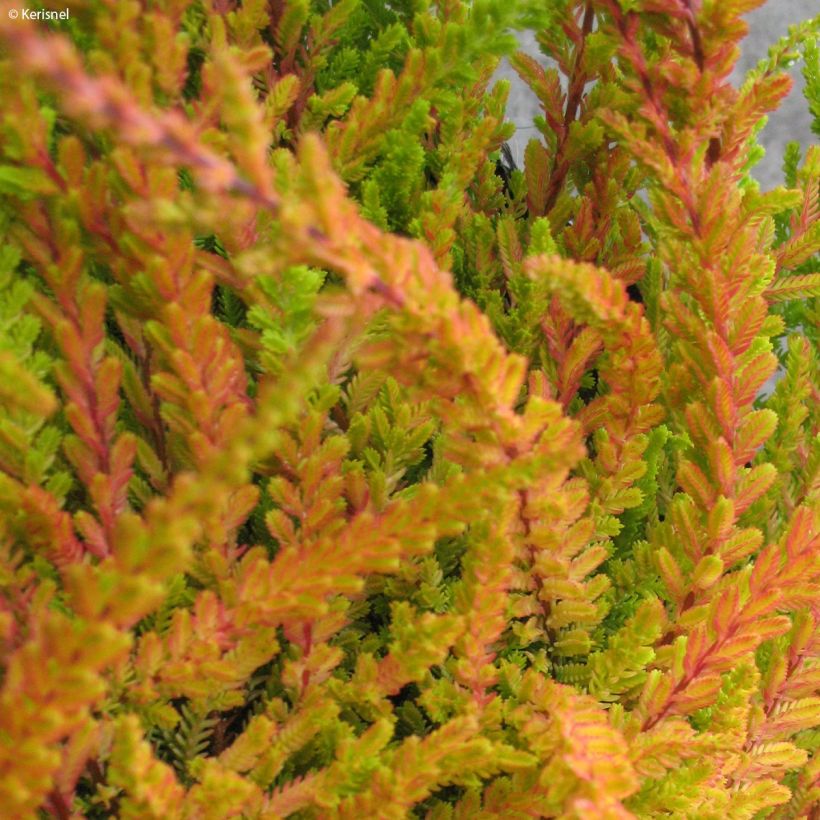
<point>348,471</point>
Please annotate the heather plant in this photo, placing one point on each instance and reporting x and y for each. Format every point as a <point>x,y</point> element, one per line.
<point>347,470</point>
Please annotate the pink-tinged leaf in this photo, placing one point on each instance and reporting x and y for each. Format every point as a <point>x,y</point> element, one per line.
<point>122,455</point>
<point>798,287</point>
<point>707,572</point>
<point>80,747</point>
<point>649,416</point>
<point>93,298</point>
<point>802,535</point>
<point>92,533</point>
<point>136,395</point>
<point>722,359</point>
<point>733,652</point>
<point>801,596</point>
<point>537,169</point>
<point>83,458</point>
<point>701,692</point>
<point>697,643</point>
<point>242,503</point>
<point>671,573</point>
<point>686,520</point>
<point>741,545</point>
<point>120,470</point>
<point>680,319</point>
<point>754,430</point>
<point>755,100</point>
<point>803,632</point>
<point>746,325</point>
<point>587,739</point>
<point>773,627</point>
<point>662,747</point>
<point>789,718</point>
<point>725,611</point>
<point>187,369</point>
<point>723,406</point>
<point>701,424</point>
<point>281,527</point>
<point>774,678</point>
<point>764,571</point>
<point>773,758</point>
<point>83,425</point>
<point>169,388</point>
<point>102,495</point>
<point>75,352</point>
<point>762,604</point>
<point>804,243</point>
<point>754,485</point>
<point>587,562</point>
<point>751,378</point>
<point>585,346</point>
<point>107,386</point>
<point>722,462</point>
<point>803,683</point>
<point>694,483</point>
<point>50,529</point>
<point>720,521</point>
<point>545,84</point>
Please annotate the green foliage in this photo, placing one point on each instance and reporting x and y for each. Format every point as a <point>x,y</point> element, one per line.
<point>348,470</point>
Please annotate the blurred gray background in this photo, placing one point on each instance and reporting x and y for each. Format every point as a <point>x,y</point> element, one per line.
<point>767,25</point>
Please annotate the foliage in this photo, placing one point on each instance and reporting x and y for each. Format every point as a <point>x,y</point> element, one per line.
<point>349,471</point>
